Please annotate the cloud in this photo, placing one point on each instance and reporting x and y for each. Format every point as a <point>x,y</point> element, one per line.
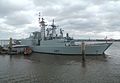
<point>7,7</point>
<point>17,18</point>
<point>81,18</point>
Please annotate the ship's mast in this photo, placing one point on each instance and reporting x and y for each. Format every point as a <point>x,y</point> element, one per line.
<point>61,33</point>
<point>42,25</point>
<point>53,29</point>
<point>39,20</point>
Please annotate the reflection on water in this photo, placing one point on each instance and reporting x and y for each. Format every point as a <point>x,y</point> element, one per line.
<point>45,68</point>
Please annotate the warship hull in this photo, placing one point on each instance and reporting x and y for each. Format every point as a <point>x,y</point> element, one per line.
<point>90,49</point>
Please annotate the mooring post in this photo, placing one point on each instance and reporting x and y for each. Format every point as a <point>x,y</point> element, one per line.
<point>1,43</point>
<point>10,45</point>
<point>83,50</point>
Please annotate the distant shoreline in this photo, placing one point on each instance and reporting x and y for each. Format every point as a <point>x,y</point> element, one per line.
<point>98,40</point>
<point>76,39</point>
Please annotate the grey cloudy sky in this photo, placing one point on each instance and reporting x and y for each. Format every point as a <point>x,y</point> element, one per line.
<point>80,18</point>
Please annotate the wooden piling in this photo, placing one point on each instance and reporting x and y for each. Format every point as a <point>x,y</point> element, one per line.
<point>83,50</point>
<point>1,43</point>
<point>10,45</point>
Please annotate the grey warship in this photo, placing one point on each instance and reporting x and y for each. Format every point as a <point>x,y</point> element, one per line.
<point>48,41</point>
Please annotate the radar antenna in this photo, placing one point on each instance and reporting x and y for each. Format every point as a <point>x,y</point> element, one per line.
<point>53,24</point>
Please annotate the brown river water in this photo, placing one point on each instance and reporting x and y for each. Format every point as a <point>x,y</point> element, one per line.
<point>46,68</point>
